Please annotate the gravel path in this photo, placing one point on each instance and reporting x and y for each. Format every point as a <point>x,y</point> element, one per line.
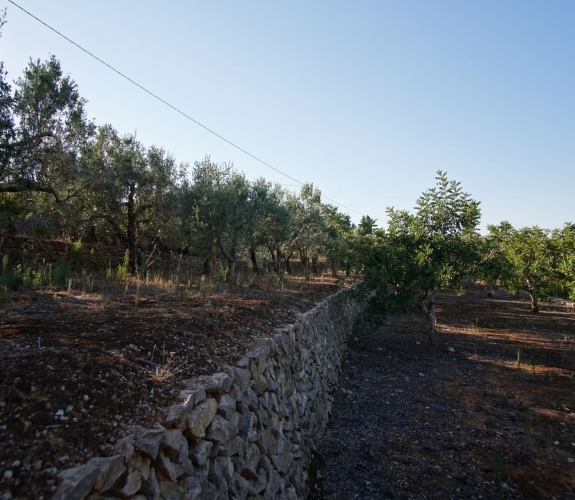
<point>399,431</point>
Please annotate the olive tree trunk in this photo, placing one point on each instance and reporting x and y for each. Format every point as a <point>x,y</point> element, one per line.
<point>428,307</point>
<point>534,301</point>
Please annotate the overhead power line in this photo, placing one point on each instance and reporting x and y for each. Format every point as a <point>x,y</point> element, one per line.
<point>171,106</point>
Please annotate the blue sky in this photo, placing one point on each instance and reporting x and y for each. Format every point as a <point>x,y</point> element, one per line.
<point>367,99</point>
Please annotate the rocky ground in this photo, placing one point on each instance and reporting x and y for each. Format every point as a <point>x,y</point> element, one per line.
<point>78,368</point>
<point>486,413</point>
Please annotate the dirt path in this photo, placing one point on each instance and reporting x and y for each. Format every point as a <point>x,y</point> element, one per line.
<point>463,419</point>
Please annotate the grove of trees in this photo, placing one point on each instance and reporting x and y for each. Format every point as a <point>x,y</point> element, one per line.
<point>76,179</point>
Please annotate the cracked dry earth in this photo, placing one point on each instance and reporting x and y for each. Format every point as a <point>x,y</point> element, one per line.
<point>75,373</point>
<point>486,413</point>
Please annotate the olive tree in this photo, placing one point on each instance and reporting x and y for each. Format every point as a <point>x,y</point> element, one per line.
<point>44,130</point>
<point>131,187</point>
<point>219,207</point>
<point>524,260</point>
<point>563,244</point>
<point>270,227</point>
<point>338,239</point>
<point>423,252</point>
<point>308,225</point>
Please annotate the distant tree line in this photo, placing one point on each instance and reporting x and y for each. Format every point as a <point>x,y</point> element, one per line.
<point>90,182</point>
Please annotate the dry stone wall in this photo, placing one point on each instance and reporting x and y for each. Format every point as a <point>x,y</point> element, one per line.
<point>27,249</point>
<point>246,432</point>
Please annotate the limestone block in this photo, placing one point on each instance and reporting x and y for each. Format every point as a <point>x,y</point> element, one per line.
<point>169,490</point>
<point>281,444</point>
<point>247,424</point>
<point>261,385</point>
<point>179,412</point>
<point>133,484</point>
<point>201,417</point>
<point>151,489</point>
<point>252,399</point>
<point>218,383</point>
<point>275,425</point>
<point>200,452</point>
<point>191,488</point>
<point>289,494</point>
<point>233,447</point>
<point>111,468</point>
<point>283,461</point>
<point>125,446</point>
<point>222,430</point>
<point>263,416</point>
<point>76,483</point>
<point>271,383</point>
<point>259,483</point>
<point>266,443</point>
<point>148,442</point>
<point>165,467</point>
<point>226,406</point>
<point>239,487</point>
<point>252,458</point>
<point>142,464</point>
<point>221,472</point>
<point>273,486</point>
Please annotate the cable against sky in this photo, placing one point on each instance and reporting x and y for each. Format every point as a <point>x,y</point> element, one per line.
<point>173,107</point>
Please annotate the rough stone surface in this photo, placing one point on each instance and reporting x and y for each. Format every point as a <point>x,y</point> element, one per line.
<point>111,468</point>
<point>76,483</point>
<point>148,442</point>
<point>245,432</point>
<point>200,452</point>
<point>201,416</point>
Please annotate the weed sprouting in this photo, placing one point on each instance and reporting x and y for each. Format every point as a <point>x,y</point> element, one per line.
<point>167,369</point>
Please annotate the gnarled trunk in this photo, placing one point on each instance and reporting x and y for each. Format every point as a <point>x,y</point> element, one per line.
<point>534,301</point>
<point>288,265</point>
<point>231,270</point>
<point>131,230</point>
<point>429,309</point>
<point>314,261</point>
<point>253,258</point>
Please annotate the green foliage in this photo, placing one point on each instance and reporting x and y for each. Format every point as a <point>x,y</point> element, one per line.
<point>34,276</point>
<point>44,129</point>
<point>563,249</point>
<point>531,259</point>
<point>338,241</point>
<point>422,253</point>
<point>93,183</point>
<point>130,187</point>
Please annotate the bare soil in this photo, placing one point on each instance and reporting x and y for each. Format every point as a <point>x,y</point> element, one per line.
<point>488,412</point>
<point>76,373</point>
